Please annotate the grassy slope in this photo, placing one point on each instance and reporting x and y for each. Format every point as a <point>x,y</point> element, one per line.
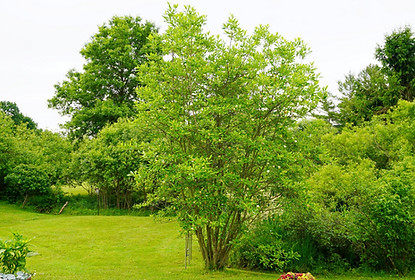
<point>105,247</point>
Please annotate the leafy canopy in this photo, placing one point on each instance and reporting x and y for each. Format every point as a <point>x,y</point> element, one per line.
<point>377,88</point>
<point>105,90</point>
<point>11,109</point>
<point>220,110</point>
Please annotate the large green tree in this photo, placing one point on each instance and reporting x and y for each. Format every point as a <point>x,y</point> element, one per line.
<point>105,90</point>
<point>221,110</point>
<point>397,56</point>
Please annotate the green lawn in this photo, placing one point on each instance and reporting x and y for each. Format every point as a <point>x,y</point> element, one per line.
<point>111,247</point>
<point>74,190</point>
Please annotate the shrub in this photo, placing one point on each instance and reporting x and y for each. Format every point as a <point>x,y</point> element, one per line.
<point>263,248</point>
<point>13,254</point>
<point>47,201</point>
<point>25,181</point>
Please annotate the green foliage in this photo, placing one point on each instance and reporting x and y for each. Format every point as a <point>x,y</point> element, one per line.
<point>265,248</point>
<point>369,93</point>
<point>362,200</point>
<point>377,88</point>
<point>6,144</point>
<point>25,180</point>
<point>106,162</point>
<point>11,109</point>
<point>386,222</point>
<point>397,56</point>
<point>105,90</point>
<point>13,254</point>
<point>220,111</point>
<point>31,162</point>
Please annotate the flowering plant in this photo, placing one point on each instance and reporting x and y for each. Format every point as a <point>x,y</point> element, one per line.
<point>297,276</point>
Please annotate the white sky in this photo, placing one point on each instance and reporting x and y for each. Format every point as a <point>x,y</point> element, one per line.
<point>41,39</point>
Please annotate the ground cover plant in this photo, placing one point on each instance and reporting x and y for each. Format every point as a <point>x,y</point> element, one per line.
<point>114,247</point>
<point>13,253</point>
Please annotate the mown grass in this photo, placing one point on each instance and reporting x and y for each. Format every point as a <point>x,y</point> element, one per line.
<point>112,247</point>
<point>78,190</point>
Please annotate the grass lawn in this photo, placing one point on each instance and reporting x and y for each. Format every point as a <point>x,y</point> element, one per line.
<point>74,190</point>
<point>111,247</point>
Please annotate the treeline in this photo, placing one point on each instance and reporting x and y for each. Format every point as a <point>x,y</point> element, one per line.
<point>228,136</point>
<point>31,160</point>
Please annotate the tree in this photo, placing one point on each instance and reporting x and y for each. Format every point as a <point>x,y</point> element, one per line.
<point>377,88</point>
<point>220,111</point>
<point>397,56</point>
<point>362,197</point>
<point>105,90</point>
<point>11,109</point>
<point>369,93</point>
<point>27,180</point>
<point>31,160</point>
<point>6,144</point>
<point>107,160</point>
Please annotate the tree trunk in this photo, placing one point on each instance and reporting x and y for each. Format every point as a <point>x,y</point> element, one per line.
<point>215,245</point>
<point>26,196</point>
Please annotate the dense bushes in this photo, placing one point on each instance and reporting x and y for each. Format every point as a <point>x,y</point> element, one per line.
<point>107,161</point>
<point>31,162</point>
<point>354,209</point>
<point>266,248</point>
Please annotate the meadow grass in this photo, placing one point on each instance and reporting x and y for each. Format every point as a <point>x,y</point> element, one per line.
<point>112,247</point>
<point>77,190</point>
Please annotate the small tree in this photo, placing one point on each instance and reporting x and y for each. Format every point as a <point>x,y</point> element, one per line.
<point>107,160</point>
<point>25,181</point>
<point>220,111</point>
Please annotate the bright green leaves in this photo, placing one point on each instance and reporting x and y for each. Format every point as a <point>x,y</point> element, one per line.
<point>13,254</point>
<point>31,161</point>
<point>107,160</point>
<point>220,110</point>
<point>363,195</point>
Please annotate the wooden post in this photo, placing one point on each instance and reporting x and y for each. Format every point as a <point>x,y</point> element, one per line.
<point>97,192</point>
<point>63,207</point>
<point>188,249</point>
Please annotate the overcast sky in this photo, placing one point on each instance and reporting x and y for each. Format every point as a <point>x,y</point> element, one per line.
<point>41,39</point>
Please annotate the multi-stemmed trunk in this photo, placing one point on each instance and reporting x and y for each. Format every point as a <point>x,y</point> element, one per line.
<point>216,242</point>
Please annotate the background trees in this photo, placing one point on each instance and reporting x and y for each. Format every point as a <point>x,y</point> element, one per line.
<point>106,161</point>
<point>397,57</point>
<point>11,109</point>
<point>105,90</point>
<point>222,110</point>
<point>377,88</point>
<point>31,162</point>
